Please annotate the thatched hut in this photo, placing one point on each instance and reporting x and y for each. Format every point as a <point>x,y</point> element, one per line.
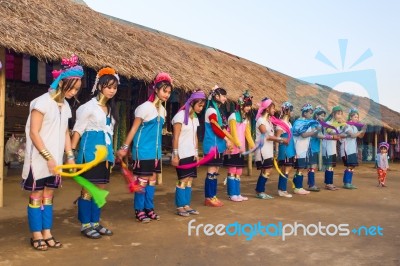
<point>50,29</point>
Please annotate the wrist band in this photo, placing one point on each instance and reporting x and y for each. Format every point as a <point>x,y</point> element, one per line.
<point>124,147</point>
<point>45,154</point>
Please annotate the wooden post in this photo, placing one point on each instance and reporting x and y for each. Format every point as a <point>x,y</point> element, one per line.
<point>159,176</point>
<point>250,164</point>
<point>375,145</point>
<point>320,157</point>
<point>385,134</point>
<point>2,116</point>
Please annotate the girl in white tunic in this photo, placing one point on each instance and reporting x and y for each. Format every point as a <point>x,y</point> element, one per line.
<point>94,125</point>
<point>337,125</point>
<point>264,156</point>
<point>348,148</point>
<point>47,137</point>
<point>185,150</point>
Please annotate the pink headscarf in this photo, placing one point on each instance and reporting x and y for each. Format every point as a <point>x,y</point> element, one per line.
<point>162,76</point>
<point>277,122</point>
<point>262,106</point>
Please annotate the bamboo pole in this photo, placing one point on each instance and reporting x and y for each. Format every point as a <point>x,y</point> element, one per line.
<point>2,116</point>
<point>250,164</point>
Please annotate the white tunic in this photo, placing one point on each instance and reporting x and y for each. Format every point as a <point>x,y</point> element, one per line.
<point>187,137</point>
<point>52,132</point>
<point>267,150</point>
<point>349,145</point>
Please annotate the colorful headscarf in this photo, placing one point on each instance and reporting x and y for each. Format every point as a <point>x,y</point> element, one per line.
<point>244,100</point>
<point>286,106</point>
<point>334,109</point>
<point>102,72</point>
<point>352,112</point>
<point>211,101</point>
<point>71,70</point>
<point>384,144</point>
<point>265,103</point>
<point>194,96</point>
<point>318,110</point>
<point>162,76</point>
<point>307,107</point>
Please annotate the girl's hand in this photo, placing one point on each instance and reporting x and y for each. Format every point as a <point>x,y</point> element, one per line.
<point>51,164</point>
<point>121,153</point>
<point>175,161</point>
<point>229,145</point>
<point>71,161</point>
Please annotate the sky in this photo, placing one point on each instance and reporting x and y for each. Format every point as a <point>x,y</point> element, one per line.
<point>352,46</point>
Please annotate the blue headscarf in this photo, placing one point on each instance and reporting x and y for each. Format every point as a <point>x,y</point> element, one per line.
<point>73,72</point>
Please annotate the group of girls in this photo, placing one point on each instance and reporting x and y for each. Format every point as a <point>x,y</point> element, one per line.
<point>226,141</point>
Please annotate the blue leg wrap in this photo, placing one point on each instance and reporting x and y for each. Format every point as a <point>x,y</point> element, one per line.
<point>208,183</point>
<point>180,197</point>
<point>351,177</point>
<point>215,185</point>
<point>311,179</point>
<point>47,216</point>
<point>84,210</point>
<point>260,187</point>
<point>35,219</point>
<point>96,212</point>
<point>230,185</point>
<point>149,197</point>
<point>282,183</point>
<point>237,186</point>
<point>138,202</point>
<point>188,195</point>
<point>298,181</point>
<point>328,177</point>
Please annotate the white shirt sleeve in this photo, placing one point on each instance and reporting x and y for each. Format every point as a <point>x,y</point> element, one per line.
<point>179,117</point>
<point>82,119</point>
<point>41,104</point>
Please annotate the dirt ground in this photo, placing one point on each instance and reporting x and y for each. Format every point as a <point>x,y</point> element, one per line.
<point>166,242</point>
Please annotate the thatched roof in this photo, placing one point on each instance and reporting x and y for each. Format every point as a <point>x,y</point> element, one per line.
<point>51,29</point>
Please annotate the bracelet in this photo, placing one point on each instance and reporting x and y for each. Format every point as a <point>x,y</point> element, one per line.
<point>124,147</point>
<point>70,155</point>
<point>45,154</point>
<point>175,152</point>
<point>196,153</point>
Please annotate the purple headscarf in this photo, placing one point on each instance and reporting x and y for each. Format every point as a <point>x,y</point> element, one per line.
<point>195,96</point>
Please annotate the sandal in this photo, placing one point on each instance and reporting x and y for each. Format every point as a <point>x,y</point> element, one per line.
<point>151,214</point>
<point>141,216</point>
<point>182,212</point>
<point>191,211</point>
<point>57,244</point>
<point>41,244</point>
<point>103,231</point>
<point>91,233</point>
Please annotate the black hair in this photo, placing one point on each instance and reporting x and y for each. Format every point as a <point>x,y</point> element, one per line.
<point>105,81</point>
